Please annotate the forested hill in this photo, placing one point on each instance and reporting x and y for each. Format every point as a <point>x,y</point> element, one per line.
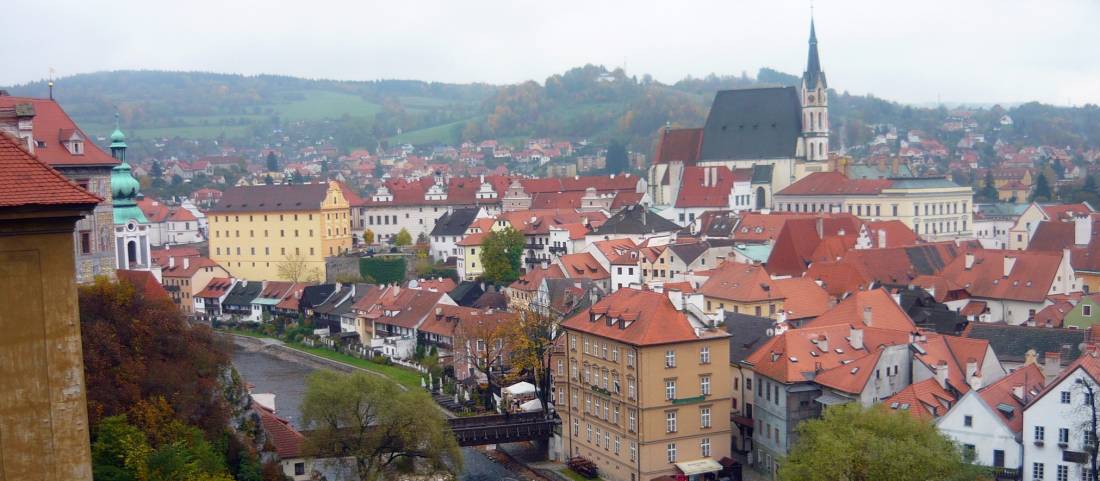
<point>584,102</point>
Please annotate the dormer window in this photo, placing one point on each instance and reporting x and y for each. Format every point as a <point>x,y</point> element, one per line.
<point>76,147</point>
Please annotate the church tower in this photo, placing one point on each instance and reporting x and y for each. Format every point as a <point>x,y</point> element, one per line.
<point>131,226</point>
<point>815,106</point>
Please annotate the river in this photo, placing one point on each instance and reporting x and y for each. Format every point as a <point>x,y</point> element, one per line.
<point>286,379</point>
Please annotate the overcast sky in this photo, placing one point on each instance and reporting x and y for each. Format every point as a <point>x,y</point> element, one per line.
<point>912,51</point>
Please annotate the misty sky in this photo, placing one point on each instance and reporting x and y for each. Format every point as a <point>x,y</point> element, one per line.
<point>913,51</point>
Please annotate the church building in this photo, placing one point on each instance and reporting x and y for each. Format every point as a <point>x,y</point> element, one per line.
<point>774,135</point>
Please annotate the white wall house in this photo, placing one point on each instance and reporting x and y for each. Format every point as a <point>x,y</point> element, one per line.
<point>1055,433</point>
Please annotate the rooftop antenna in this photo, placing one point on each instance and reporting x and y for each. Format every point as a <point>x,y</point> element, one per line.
<point>50,82</point>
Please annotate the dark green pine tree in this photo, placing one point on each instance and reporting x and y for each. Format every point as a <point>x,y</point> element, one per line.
<point>617,159</point>
<point>1042,189</point>
<point>272,162</point>
<point>989,191</point>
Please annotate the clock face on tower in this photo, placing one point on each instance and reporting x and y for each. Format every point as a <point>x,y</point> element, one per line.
<point>811,98</point>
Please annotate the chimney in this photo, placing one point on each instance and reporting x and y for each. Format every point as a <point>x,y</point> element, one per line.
<point>1052,364</point>
<point>941,374</point>
<point>1082,230</point>
<point>969,260</point>
<point>823,343</point>
<point>438,312</point>
<point>1018,392</point>
<point>186,263</point>
<point>820,227</point>
<point>171,262</point>
<point>855,337</point>
<point>1009,262</point>
<point>1031,358</point>
<point>867,318</point>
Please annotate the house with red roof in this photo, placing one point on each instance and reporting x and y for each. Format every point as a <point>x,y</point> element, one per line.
<point>933,207</point>
<point>46,131</point>
<point>170,224</point>
<point>1013,285</point>
<point>1058,421</point>
<point>988,422</point>
<point>1020,234</point>
<point>185,277</point>
<point>699,189</point>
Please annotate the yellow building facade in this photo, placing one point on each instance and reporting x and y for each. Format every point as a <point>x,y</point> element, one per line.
<point>254,230</point>
<point>641,410</point>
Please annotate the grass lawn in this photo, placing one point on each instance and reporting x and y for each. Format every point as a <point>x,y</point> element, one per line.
<point>321,104</point>
<point>402,375</point>
<point>575,476</point>
<point>443,133</point>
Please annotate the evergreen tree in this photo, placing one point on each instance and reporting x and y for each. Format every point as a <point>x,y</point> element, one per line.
<point>268,180</point>
<point>272,162</point>
<point>500,255</point>
<point>989,191</point>
<point>617,160</point>
<point>1042,189</point>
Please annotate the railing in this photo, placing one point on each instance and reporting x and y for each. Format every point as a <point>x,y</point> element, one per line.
<point>537,247</point>
<point>498,428</point>
<point>557,249</point>
<point>1005,474</point>
<point>534,260</point>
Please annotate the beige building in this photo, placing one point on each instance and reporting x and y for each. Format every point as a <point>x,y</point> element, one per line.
<point>183,277</point>
<point>643,387</point>
<point>934,207</point>
<point>255,229</point>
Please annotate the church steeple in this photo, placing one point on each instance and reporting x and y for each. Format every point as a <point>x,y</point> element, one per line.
<point>815,105</point>
<point>813,73</point>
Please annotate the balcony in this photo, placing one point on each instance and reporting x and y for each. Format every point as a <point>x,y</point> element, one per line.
<point>536,247</point>
<point>534,260</point>
<point>557,250</point>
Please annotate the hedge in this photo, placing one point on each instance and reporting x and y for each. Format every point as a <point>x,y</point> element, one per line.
<point>383,269</point>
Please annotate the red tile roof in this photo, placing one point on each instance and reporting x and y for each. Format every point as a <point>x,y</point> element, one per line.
<point>835,183</point>
<point>647,318</point>
<point>739,282</point>
<point>531,279</point>
<point>956,352</point>
<point>49,125</point>
<point>583,265</point>
<point>851,377</point>
<point>1029,279</point>
<point>1030,378</point>
<point>884,312</point>
<point>288,442</point>
<point>1064,211</point>
<point>1053,315</point>
<point>795,355</point>
<point>924,400</point>
<point>193,266</point>
<point>1052,235</point>
<point>442,284</point>
<point>26,181</point>
<point>708,186</point>
<point>897,233</point>
<point>839,278</point>
<point>145,282</point>
<point>803,298</point>
<point>217,287</point>
<point>679,144</point>
<point>160,256</point>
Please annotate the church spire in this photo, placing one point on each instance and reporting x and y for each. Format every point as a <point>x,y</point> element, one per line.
<point>813,72</point>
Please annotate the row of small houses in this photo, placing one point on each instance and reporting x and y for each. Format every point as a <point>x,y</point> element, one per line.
<point>390,320</point>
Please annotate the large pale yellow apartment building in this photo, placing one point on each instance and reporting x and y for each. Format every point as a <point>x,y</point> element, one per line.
<point>643,387</point>
<point>255,229</point>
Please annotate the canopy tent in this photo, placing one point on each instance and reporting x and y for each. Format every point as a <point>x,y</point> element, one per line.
<point>520,388</point>
<point>699,466</point>
<point>531,406</point>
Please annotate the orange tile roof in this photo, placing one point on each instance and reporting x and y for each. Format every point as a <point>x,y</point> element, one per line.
<point>803,298</point>
<point>839,278</point>
<point>583,265</point>
<point>885,313</point>
<point>27,181</point>
<point>217,287</point>
<point>288,442</point>
<point>531,279</point>
<point>835,183</point>
<point>49,125</point>
<point>679,144</point>
<point>795,355</point>
<point>193,266</point>
<point>739,282</point>
<point>925,400</point>
<point>1030,377</point>
<point>851,377</point>
<point>145,282</point>
<point>956,352</point>
<point>647,318</point>
<point>1029,279</point>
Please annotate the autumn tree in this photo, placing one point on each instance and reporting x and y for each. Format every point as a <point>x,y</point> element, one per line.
<point>402,238</point>
<point>483,344</point>
<point>856,443</point>
<point>296,268</point>
<point>378,424</point>
<point>368,237</point>
<point>532,339</point>
<point>501,254</point>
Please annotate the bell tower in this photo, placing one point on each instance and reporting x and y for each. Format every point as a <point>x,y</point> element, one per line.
<point>815,105</point>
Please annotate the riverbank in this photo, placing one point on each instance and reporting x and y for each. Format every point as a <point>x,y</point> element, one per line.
<point>404,377</point>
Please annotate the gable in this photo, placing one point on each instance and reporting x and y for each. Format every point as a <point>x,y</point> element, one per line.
<point>756,123</point>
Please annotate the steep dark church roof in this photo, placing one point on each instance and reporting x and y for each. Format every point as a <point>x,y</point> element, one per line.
<point>455,222</point>
<point>753,123</point>
<point>813,71</point>
<point>636,219</point>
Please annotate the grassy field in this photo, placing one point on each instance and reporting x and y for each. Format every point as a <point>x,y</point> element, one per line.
<point>575,476</point>
<point>320,104</point>
<point>443,133</point>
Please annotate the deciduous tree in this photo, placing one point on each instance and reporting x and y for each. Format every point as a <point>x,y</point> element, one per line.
<point>532,339</point>
<point>402,238</point>
<point>854,443</point>
<point>379,425</point>
<point>296,268</point>
<point>501,254</point>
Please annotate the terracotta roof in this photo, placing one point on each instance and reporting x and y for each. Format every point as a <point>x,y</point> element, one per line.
<point>639,318</point>
<point>531,279</point>
<point>851,377</point>
<point>924,400</point>
<point>835,183</point>
<point>613,248</point>
<point>1064,211</point>
<point>973,308</point>
<point>1029,280</point>
<point>679,144</point>
<point>1052,235</point>
<point>293,296</point>
<point>160,256</point>
<point>795,355</point>
<point>803,298</point>
<point>885,313</point>
<point>452,321</point>
<point>839,278</point>
<point>956,352</point>
<point>1030,378</point>
<point>1053,315</point>
<point>49,125</point>
<point>708,186</point>
<point>740,282</point>
<point>897,233</point>
<point>145,282</point>
<point>443,284</point>
<point>193,266</point>
<point>288,442</point>
<point>217,287</point>
<point>583,265</point>
<point>26,181</point>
